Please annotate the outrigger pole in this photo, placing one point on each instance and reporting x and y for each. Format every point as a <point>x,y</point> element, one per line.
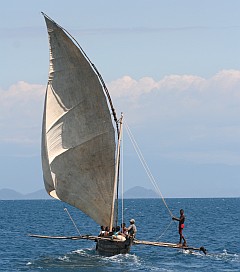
<point>170,245</point>
<point>136,242</point>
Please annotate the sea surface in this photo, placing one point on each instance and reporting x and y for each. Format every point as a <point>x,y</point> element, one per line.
<point>212,223</point>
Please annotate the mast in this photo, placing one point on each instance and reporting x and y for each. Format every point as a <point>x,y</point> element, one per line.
<point>116,171</point>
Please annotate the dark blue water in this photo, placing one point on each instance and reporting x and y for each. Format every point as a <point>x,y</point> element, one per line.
<point>213,223</point>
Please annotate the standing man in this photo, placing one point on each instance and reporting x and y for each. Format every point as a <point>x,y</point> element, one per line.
<point>132,230</point>
<point>181,221</point>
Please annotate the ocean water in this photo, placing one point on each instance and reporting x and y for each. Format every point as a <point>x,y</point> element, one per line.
<point>212,223</point>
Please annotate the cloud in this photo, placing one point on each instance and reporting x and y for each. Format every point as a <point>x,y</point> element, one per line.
<point>128,87</point>
<point>177,95</point>
<point>223,81</point>
<point>20,113</point>
<point>184,117</point>
<point>148,30</point>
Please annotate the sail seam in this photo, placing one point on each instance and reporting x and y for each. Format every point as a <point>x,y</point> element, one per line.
<point>66,110</point>
<point>71,148</point>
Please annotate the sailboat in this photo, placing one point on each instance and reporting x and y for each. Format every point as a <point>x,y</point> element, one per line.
<point>81,137</point>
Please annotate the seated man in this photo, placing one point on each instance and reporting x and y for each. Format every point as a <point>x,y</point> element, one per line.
<point>117,235</point>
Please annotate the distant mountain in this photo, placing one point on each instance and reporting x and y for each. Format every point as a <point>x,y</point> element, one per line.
<point>140,192</point>
<point>8,194</point>
<point>40,194</point>
<point>135,192</point>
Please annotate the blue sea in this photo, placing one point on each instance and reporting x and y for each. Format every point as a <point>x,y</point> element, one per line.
<point>212,223</point>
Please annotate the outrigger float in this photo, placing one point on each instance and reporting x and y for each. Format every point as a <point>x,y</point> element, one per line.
<point>81,138</point>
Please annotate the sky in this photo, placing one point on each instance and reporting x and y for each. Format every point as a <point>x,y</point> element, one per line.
<point>172,67</point>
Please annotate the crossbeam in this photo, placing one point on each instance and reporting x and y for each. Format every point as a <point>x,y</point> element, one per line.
<point>81,237</point>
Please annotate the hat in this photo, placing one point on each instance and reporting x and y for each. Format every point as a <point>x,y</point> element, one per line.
<point>132,221</point>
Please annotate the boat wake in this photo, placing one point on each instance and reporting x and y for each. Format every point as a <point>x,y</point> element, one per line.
<point>196,253</point>
<point>84,259</point>
<point>76,259</point>
<point>223,256</point>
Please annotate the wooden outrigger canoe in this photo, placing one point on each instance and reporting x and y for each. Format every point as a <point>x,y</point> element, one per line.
<point>81,138</point>
<point>106,245</point>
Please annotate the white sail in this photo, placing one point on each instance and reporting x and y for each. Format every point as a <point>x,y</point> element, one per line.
<point>78,137</point>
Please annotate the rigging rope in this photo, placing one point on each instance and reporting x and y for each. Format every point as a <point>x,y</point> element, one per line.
<point>145,166</point>
<point>66,210</point>
<point>165,230</point>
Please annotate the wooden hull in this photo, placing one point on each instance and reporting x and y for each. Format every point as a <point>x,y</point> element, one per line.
<point>113,247</point>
